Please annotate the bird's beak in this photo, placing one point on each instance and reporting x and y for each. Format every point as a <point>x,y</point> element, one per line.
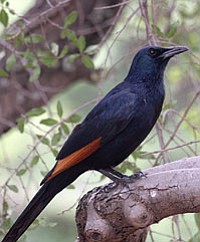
<point>174,50</point>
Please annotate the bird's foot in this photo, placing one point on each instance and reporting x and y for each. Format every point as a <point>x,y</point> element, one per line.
<point>138,175</point>
<point>130,179</point>
<point>122,180</point>
<point>119,178</point>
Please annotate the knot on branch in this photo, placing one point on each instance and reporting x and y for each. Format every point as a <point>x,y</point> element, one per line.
<point>106,214</point>
<point>136,214</point>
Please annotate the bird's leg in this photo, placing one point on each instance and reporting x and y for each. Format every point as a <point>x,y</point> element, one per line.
<point>138,175</point>
<point>114,175</point>
<point>117,177</point>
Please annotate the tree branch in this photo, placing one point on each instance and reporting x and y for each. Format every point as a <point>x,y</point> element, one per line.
<point>124,212</point>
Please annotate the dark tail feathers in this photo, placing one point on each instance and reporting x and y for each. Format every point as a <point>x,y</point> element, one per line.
<point>39,202</point>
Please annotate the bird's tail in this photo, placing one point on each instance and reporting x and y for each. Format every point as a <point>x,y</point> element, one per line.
<point>39,202</point>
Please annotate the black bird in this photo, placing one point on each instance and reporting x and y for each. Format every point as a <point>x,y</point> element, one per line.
<point>110,132</point>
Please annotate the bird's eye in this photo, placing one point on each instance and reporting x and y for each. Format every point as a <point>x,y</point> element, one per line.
<point>152,52</point>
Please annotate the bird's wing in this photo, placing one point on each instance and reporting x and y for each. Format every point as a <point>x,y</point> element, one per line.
<point>110,117</point>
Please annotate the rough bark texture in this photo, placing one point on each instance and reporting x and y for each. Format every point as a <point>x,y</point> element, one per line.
<point>17,94</point>
<point>123,212</point>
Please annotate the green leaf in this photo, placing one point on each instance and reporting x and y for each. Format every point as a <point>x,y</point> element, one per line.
<point>70,19</point>
<point>72,58</point>
<point>48,59</point>
<point>34,39</point>
<point>43,173</point>
<point>48,122</point>
<point>56,138</point>
<point>63,33</point>
<point>36,222</point>
<point>28,55</point>
<point>169,105</point>
<point>74,118</point>
<point>7,36</point>
<point>11,11</point>
<point>44,140</point>
<point>55,152</point>
<point>157,31</point>
<point>20,124</point>
<point>81,43</point>
<point>87,61</point>
<point>5,207</point>
<point>21,172</point>
<point>139,154</point>
<point>35,112</point>
<point>71,186</point>
<point>10,62</point>
<point>35,73</point>
<point>70,34</point>
<point>34,161</point>
<point>172,31</point>
<point>7,5</point>
<point>64,51</point>
<point>13,188</point>
<point>65,128</point>
<point>3,73</point>
<point>59,109</point>
<point>4,17</point>
<point>18,40</point>
<point>128,166</point>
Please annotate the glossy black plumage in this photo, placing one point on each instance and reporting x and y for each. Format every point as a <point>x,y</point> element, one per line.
<point>117,124</point>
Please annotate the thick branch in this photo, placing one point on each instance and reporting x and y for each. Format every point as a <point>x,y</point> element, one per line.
<point>18,95</point>
<point>124,212</point>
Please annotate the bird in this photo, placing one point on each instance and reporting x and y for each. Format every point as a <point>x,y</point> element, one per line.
<point>110,132</point>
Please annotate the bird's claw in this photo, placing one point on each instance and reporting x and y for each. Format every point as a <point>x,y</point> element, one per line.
<point>130,179</point>
<point>138,175</point>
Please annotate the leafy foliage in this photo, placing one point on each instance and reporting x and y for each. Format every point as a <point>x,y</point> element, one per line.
<point>20,124</point>
<point>34,112</point>
<point>13,188</point>
<point>33,60</point>
<point>4,17</point>
<point>3,73</point>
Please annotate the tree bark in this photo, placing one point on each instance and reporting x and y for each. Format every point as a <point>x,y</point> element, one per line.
<point>123,212</point>
<point>18,95</point>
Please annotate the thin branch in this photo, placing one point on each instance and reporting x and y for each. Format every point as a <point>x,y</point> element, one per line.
<point>181,121</point>
<point>145,15</point>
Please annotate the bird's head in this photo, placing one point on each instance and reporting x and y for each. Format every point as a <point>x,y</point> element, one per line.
<point>152,60</point>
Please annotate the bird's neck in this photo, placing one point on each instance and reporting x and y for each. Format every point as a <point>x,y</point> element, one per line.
<point>148,86</point>
<point>146,81</point>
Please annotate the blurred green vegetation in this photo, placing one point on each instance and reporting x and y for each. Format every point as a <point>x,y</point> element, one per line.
<point>173,23</point>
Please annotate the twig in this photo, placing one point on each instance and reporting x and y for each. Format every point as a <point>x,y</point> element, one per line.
<point>144,12</point>
<point>172,148</point>
<point>181,121</point>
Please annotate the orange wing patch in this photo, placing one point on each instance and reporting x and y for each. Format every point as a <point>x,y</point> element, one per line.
<point>74,158</point>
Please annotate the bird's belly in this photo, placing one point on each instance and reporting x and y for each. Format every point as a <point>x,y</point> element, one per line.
<point>118,149</point>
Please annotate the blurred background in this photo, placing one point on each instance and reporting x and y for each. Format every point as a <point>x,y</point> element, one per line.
<point>57,76</point>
